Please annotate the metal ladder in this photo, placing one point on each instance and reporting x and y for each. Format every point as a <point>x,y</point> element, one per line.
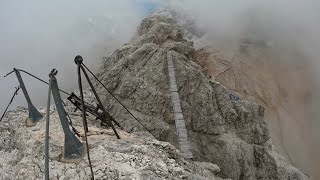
<point>184,144</point>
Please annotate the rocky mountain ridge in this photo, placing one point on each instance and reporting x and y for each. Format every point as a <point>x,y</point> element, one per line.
<point>227,132</point>
<point>232,134</point>
<point>135,156</point>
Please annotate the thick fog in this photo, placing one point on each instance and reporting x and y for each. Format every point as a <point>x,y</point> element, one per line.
<point>289,27</point>
<point>38,36</point>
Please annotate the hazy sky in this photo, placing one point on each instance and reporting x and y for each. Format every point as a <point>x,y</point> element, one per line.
<point>38,35</point>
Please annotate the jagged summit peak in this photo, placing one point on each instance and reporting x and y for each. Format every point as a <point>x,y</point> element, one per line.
<point>227,131</point>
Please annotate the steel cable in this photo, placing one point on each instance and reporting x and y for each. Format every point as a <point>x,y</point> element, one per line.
<point>118,100</point>
<point>35,78</point>
<point>70,121</point>
<point>14,94</point>
<point>106,114</point>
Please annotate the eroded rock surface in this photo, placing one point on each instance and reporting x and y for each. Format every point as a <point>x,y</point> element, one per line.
<point>229,133</point>
<point>232,134</point>
<point>135,156</point>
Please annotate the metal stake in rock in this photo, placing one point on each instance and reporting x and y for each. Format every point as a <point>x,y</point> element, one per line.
<point>34,114</point>
<point>73,148</point>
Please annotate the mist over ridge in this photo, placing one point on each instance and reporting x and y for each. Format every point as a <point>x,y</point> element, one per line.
<point>38,36</point>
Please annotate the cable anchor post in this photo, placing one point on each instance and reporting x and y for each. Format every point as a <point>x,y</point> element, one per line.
<point>73,148</point>
<point>79,61</point>
<point>34,114</point>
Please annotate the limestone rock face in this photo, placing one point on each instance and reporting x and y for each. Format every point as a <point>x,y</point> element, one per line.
<point>232,134</point>
<point>135,156</point>
<point>229,133</point>
<point>280,81</point>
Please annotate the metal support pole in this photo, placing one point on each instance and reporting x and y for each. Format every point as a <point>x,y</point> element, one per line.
<point>46,143</point>
<point>84,117</point>
<point>84,120</point>
<point>73,148</point>
<point>78,60</point>
<point>34,114</point>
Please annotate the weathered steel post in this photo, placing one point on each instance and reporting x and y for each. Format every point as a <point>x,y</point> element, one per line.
<point>34,114</point>
<point>46,142</point>
<point>78,60</point>
<point>73,148</point>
